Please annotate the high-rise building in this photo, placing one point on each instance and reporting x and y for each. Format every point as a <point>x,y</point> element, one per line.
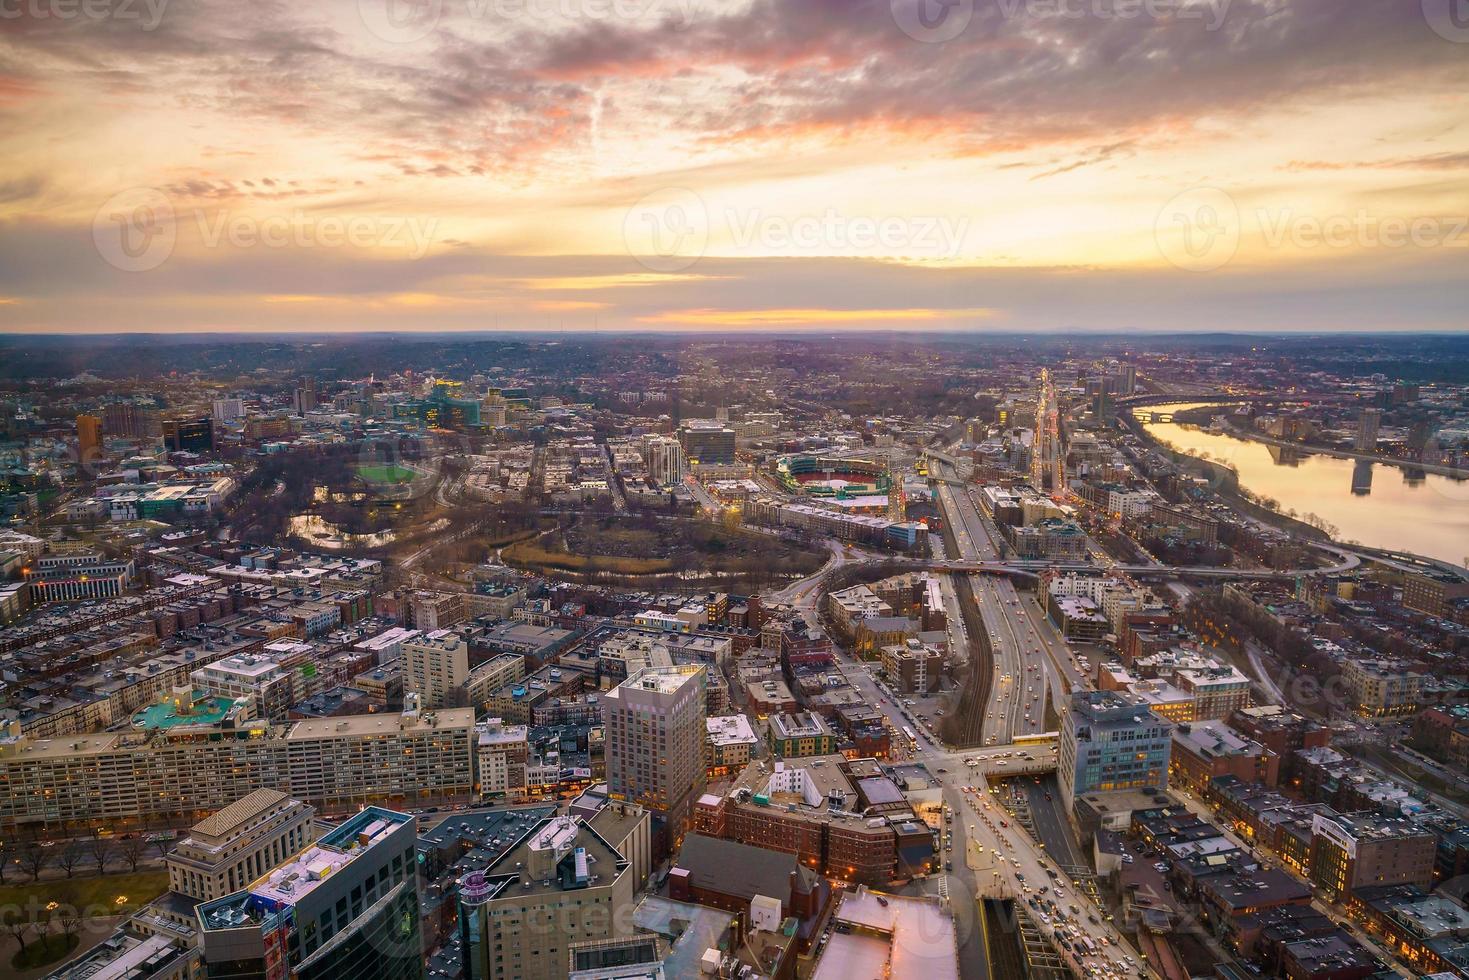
<point>195,435</point>
<point>1128,377</point>
<point>664,457</point>
<point>89,439</point>
<point>1368,424</point>
<point>564,882</point>
<point>655,742</point>
<point>126,419</point>
<point>435,666</point>
<point>226,851</point>
<point>229,409</point>
<point>707,443</point>
<point>304,396</point>
<point>345,907</point>
<point>1111,740</point>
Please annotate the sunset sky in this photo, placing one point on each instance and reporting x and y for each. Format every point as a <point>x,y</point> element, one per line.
<point>994,165</point>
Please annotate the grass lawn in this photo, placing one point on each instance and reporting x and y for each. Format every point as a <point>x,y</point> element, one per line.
<point>39,952</point>
<point>390,473</point>
<point>139,889</point>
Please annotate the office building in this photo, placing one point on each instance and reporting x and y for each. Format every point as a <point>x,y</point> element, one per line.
<point>707,443</point>
<point>127,420</point>
<point>226,851</point>
<point>89,439</point>
<point>1110,740</point>
<point>229,409</point>
<point>436,666</point>
<point>304,396</point>
<point>192,435</point>
<point>1360,850</point>
<point>665,460</point>
<point>655,722</point>
<point>346,907</point>
<point>564,882</point>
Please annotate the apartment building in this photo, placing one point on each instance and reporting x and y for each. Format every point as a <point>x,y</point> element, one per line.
<point>125,780</point>
<point>1379,688</point>
<point>484,680</point>
<point>227,850</point>
<point>502,752</point>
<point>799,735</point>
<point>728,743</point>
<point>436,666</point>
<point>656,729</point>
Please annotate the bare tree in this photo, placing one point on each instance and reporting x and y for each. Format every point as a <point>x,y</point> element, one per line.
<point>17,924</point>
<point>69,913</point>
<point>69,857</point>
<point>7,854</point>
<point>131,850</point>
<point>33,858</point>
<point>99,849</point>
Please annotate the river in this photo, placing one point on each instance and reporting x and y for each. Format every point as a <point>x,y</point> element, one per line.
<point>1375,504</point>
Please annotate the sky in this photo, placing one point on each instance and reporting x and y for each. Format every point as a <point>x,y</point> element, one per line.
<point>946,165</point>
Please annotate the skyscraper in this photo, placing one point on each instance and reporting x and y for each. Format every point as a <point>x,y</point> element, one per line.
<point>655,743</point>
<point>1368,424</point>
<point>89,439</point>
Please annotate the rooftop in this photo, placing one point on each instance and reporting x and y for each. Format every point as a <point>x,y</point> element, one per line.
<point>239,813</point>
<point>173,713</point>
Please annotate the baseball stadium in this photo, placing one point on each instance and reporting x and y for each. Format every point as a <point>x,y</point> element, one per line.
<point>832,476</point>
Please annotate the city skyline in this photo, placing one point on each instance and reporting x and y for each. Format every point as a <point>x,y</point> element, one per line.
<point>670,165</point>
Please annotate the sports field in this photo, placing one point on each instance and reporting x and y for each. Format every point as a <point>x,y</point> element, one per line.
<point>387,473</point>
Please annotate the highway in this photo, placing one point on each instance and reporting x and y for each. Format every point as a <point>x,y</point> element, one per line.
<point>1023,647</point>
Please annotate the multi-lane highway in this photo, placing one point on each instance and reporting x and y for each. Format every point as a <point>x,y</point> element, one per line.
<point>1023,651</point>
